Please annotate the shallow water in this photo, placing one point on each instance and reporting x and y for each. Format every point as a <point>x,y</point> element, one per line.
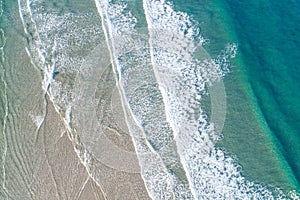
<point>197,99</point>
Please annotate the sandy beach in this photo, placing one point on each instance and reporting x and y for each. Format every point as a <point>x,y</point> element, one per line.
<point>40,159</point>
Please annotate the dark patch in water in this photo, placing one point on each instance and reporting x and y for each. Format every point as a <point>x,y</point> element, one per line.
<point>55,74</point>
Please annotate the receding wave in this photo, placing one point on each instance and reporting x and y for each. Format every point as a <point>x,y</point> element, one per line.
<point>142,96</point>
<point>182,78</point>
<point>163,86</point>
<point>160,74</point>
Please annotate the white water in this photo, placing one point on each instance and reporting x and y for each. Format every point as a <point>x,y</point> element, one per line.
<point>181,81</point>
<point>136,75</point>
<point>53,39</point>
<point>183,77</point>
<point>162,82</point>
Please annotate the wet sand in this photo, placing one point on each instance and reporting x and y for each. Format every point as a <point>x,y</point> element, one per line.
<point>39,159</point>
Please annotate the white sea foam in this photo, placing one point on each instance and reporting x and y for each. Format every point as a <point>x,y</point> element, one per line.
<point>132,61</point>
<point>161,86</point>
<point>182,78</point>
<point>55,45</point>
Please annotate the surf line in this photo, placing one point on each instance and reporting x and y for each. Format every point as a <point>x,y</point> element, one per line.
<point>6,110</point>
<point>150,32</point>
<point>107,28</point>
<point>110,44</point>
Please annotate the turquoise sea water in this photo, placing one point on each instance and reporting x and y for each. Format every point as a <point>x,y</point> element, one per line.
<point>260,137</point>
<point>263,90</point>
<point>269,45</point>
<point>263,116</point>
<point>269,32</point>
